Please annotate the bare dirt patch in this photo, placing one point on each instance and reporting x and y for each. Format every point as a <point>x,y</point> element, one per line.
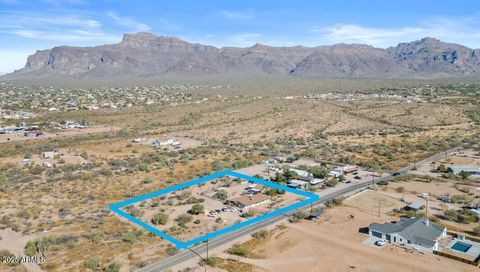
<point>334,244</point>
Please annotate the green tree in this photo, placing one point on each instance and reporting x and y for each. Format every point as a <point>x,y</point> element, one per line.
<point>464,175</point>
<point>289,174</point>
<point>274,191</point>
<point>279,178</point>
<point>222,195</point>
<point>196,209</point>
<point>160,218</point>
<point>318,171</point>
<point>442,168</point>
<point>183,219</point>
<point>31,249</point>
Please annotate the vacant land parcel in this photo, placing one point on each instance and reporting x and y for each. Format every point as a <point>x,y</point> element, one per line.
<point>221,203</point>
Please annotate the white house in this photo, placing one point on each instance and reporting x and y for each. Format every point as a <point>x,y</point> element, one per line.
<point>172,142</point>
<point>246,202</point>
<point>48,154</point>
<point>417,232</point>
<point>316,181</point>
<point>302,174</point>
<point>336,172</point>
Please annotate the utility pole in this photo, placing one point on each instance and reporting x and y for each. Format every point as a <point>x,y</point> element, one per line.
<point>208,231</point>
<point>378,208</point>
<point>200,256</point>
<point>207,249</point>
<point>426,210</point>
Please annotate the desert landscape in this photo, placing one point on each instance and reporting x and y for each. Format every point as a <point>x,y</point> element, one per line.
<point>239,136</point>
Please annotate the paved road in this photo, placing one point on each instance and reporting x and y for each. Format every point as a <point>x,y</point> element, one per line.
<point>186,255</point>
<point>436,157</point>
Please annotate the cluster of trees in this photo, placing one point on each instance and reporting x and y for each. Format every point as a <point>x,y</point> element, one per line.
<point>273,191</point>
<point>284,176</point>
<point>319,171</point>
<point>461,216</point>
<point>221,194</point>
<point>196,209</point>
<point>39,246</point>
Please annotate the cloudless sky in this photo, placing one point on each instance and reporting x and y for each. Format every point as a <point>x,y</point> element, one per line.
<point>26,26</point>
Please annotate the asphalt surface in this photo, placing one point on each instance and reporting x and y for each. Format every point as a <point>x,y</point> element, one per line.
<point>201,249</point>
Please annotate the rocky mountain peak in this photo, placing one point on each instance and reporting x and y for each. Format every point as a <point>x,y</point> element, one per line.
<point>145,54</point>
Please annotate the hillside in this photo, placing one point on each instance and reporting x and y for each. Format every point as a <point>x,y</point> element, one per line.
<point>147,55</point>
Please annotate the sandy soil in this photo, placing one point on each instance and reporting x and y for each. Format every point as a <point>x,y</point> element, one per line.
<point>90,129</point>
<point>373,202</point>
<point>15,137</point>
<point>69,156</point>
<point>15,243</point>
<point>335,245</point>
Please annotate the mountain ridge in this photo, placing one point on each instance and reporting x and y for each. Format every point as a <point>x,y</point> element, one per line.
<point>145,54</point>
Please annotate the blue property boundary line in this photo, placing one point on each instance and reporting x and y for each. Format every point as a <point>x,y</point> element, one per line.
<point>116,208</point>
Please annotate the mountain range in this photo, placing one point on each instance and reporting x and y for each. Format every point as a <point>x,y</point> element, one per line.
<point>144,54</point>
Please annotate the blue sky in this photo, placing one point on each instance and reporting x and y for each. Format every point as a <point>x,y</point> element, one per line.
<point>26,26</point>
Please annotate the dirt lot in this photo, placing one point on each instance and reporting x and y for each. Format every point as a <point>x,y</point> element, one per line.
<point>90,129</point>
<point>335,244</point>
<point>374,202</point>
<point>62,156</point>
<point>17,137</point>
<point>15,243</point>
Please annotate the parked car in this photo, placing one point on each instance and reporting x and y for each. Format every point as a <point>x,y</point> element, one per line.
<point>424,195</point>
<point>357,177</point>
<point>396,174</point>
<point>381,242</point>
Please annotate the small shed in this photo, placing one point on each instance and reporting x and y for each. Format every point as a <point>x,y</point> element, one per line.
<point>415,206</point>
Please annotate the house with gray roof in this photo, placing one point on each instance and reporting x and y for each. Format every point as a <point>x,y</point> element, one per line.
<point>474,172</point>
<point>417,232</point>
